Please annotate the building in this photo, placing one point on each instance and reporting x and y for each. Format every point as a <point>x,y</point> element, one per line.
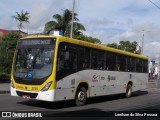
<point>4,32</point>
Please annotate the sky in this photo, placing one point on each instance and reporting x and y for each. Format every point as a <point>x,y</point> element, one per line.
<point>108,20</point>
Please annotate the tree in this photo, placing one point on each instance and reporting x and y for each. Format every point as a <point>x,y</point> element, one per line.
<point>77,29</point>
<point>88,39</point>
<point>11,37</point>
<point>113,45</point>
<point>22,17</point>
<point>63,23</point>
<point>126,46</point>
<point>8,41</point>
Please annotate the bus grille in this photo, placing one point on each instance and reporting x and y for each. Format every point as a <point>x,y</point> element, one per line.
<point>29,81</point>
<point>31,95</point>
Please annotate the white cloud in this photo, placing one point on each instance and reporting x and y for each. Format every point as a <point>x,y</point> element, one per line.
<point>39,14</point>
<point>7,22</point>
<point>152,50</point>
<point>102,22</point>
<point>151,38</point>
<point>4,24</point>
<point>42,12</point>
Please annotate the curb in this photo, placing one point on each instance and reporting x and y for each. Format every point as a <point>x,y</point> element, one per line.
<point>4,92</point>
<point>4,87</point>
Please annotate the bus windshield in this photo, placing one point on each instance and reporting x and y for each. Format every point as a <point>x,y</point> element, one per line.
<point>34,59</point>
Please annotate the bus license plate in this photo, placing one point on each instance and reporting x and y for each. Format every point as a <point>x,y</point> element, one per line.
<point>26,96</point>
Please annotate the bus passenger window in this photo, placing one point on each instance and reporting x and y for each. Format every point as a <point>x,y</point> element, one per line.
<point>110,61</point>
<point>67,60</point>
<point>94,63</point>
<point>98,59</point>
<point>66,55</point>
<point>84,65</point>
<point>83,58</point>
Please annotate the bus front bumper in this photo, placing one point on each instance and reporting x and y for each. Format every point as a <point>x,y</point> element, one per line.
<point>42,95</point>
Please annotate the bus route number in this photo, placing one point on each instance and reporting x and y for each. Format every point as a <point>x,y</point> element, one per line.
<point>34,88</point>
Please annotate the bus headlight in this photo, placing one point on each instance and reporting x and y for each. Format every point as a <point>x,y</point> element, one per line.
<point>46,87</point>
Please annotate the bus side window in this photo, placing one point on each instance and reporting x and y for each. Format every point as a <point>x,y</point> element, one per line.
<point>130,64</point>
<point>83,58</point>
<point>122,62</point>
<point>110,61</point>
<point>98,59</point>
<point>66,55</point>
<point>139,67</point>
<point>94,63</point>
<point>145,66</point>
<point>60,62</point>
<point>67,60</point>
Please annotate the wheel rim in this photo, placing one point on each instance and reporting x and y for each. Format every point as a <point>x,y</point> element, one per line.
<point>81,96</point>
<point>129,92</point>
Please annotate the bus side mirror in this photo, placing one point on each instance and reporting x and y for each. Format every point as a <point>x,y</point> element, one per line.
<point>66,55</point>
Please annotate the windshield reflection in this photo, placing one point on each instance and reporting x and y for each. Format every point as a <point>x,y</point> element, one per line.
<point>33,63</point>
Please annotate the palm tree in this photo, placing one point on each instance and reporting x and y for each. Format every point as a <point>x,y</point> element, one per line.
<point>22,17</point>
<point>78,28</point>
<point>63,23</point>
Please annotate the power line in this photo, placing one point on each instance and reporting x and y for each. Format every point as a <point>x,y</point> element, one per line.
<point>154,4</point>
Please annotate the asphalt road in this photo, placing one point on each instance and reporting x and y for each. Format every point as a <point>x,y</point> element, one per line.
<point>145,100</point>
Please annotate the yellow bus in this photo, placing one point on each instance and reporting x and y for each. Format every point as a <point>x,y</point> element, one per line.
<point>56,68</point>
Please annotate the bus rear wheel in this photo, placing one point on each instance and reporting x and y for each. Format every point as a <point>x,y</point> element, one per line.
<point>81,96</point>
<point>128,91</point>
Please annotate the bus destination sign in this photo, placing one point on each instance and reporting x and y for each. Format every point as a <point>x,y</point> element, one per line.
<point>36,42</point>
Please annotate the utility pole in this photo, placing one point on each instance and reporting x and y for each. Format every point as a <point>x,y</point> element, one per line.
<point>71,33</point>
<point>142,42</point>
<point>144,31</point>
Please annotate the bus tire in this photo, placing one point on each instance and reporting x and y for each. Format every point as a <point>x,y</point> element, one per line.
<point>81,96</point>
<point>128,91</point>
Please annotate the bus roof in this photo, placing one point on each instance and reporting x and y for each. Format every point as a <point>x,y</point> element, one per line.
<point>88,44</point>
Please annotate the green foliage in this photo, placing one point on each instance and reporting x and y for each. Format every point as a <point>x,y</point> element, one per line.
<point>126,46</point>
<point>22,17</point>
<point>4,75</point>
<point>11,38</point>
<point>8,41</point>
<point>63,23</point>
<point>88,39</point>
<point>113,45</point>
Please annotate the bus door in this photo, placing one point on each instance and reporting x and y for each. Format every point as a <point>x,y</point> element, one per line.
<point>66,71</point>
<point>67,62</point>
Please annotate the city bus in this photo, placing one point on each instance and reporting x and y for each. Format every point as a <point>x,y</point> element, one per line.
<point>58,68</point>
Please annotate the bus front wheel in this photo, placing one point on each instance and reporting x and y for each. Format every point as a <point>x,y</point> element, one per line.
<point>128,91</point>
<point>81,96</point>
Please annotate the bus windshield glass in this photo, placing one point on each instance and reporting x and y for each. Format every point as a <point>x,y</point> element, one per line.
<point>34,58</point>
